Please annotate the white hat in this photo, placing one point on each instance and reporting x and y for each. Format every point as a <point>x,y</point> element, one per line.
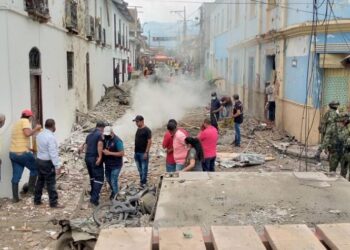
<point>108,130</point>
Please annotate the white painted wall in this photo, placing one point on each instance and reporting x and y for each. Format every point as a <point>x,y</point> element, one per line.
<point>19,35</point>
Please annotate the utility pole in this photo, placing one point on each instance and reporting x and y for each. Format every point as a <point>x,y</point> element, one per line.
<point>185,24</point>
<point>184,29</point>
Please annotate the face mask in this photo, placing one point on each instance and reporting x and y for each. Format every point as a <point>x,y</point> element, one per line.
<point>108,137</point>
<point>213,98</point>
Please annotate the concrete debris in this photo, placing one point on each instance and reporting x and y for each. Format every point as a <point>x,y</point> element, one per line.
<point>240,160</point>
<point>334,211</point>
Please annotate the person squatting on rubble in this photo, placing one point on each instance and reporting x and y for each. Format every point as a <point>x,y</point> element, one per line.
<point>195,156</point>
<point>143,141</point>
<point>113,152</point>
<point>168,146</point>
<point>226,106</point>
<point>2,123</point>
<point>326,119</point>
<point>21,155</point>
<point>93,158</point>
<point>48,163</point>
<point>215,108</point>
<point>208,138</point>
<point>179,145</point>
<point>238,119</point>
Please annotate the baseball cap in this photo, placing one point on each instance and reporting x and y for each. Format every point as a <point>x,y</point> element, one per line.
<point>27,112</point>
<point>138,118</point>
<point>108,130</point>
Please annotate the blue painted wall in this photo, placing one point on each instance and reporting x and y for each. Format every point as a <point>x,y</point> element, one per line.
<point>301,11</point>
<point>221,43</point>
<point>295,79</point>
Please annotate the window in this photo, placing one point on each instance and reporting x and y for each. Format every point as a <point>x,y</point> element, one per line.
<point>235,71</point>
<point>70,68</point>
<point>115,30</point>
<point>237,13</point>
<point>271,4</point>
<point>252,8</point>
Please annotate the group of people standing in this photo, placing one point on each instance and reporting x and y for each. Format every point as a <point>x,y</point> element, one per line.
<point>335,139</point>
<point>226,108</point>
<point>104,152</point>
<point>40,157</point>
<point>186,153</point>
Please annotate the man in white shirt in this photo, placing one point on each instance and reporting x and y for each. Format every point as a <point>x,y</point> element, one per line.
<point>48,163</point>
<point>271,104</point>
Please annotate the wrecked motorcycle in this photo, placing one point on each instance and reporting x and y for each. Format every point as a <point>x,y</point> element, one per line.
<point>116,211</point>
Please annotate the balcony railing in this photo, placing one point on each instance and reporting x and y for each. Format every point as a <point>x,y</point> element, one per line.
<point>38,9</point>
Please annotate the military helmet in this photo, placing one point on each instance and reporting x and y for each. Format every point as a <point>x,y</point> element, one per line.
<point>333,104</point>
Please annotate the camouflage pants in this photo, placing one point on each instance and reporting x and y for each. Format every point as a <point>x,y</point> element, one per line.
<point>334,160</point>
<point>345,165</point>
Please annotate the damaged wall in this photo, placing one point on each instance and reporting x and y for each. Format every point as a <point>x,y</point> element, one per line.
<point>52,40</point>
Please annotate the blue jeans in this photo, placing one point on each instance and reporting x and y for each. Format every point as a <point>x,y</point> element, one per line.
<point>179,167</point>
<point>209,164</point>
<point>142,167</point>
<point>19,162</point>
<point>170,167</point>
<point>112,175</point>
<point>237,134</point>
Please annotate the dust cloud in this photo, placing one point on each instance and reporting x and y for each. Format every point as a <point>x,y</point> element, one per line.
<point>159,102</point>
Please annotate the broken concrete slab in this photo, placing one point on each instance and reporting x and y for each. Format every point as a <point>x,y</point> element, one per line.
<point>244,198</point>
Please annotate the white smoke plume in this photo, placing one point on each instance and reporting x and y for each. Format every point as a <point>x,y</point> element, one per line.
<point>158,103</point>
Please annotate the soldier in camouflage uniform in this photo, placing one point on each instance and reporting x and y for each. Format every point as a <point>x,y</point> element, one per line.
<point>332,141</point>
<point>345,161</point>
<point>325,122</point>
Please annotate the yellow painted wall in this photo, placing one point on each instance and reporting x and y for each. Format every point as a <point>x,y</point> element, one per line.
<point>292,121</point>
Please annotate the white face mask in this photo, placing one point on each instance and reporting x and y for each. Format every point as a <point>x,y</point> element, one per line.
<point>213,98</point>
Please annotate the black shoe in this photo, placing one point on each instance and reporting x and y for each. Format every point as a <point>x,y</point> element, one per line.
<point>15,193</point>
<point>31,184</point>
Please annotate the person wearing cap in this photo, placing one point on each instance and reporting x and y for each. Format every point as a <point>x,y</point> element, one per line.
<point>113,152</point>
<point>21,154</point>
<point>48,163</point>
<point>93,158</point>
<point>215,108</point>
<point>143,141</point>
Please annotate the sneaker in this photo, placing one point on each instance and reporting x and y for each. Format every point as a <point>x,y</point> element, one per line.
<point>59,206</point>
<point>38,203</point>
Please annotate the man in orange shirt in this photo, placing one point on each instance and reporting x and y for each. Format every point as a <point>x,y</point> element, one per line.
<point>21,155</point>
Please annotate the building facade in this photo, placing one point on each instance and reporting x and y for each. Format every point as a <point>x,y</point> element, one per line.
<point>55,58</point>
<point>280,42</point>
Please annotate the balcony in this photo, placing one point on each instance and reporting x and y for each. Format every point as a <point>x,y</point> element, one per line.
<point>38,10</point>
<point>72,16</point>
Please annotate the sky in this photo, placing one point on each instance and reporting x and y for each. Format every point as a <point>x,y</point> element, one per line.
<point>159,10</point>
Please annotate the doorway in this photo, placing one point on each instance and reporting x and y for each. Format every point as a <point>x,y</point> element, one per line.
<point>35,86</point>
<point>251,81</point>
<point>123,69</point>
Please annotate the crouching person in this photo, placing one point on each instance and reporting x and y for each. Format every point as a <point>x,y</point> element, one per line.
<point>113,152</point>
<point>48,163</point>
